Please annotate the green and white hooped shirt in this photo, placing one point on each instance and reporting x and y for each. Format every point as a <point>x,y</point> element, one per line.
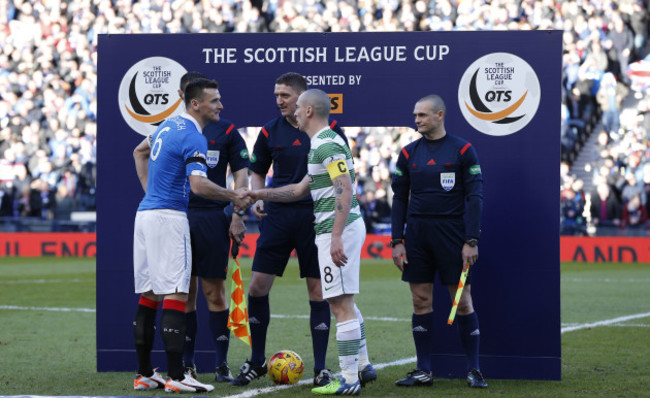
<point>329,157</point>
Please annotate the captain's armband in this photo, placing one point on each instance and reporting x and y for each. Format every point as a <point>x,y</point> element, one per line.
<point>337,168</point>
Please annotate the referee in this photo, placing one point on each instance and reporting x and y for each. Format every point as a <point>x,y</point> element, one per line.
<point>438,196</point>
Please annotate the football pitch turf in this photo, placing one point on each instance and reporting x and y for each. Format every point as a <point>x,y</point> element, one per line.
<point>47,334</point>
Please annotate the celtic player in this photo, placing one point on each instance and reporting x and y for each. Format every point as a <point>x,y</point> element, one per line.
<point>340,233</point>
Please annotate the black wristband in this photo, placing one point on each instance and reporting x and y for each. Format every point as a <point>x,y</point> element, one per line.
<point>395,242</point>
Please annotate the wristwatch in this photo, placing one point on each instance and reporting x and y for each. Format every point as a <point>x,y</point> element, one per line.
<point>472,242</point>
<point>395,242</point>
<point>239,212</point>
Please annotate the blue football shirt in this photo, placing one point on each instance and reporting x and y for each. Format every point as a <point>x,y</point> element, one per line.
<point>178,150</point>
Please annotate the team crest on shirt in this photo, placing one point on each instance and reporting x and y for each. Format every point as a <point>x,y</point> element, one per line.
<point>447,180</point>
<point>212,159</point>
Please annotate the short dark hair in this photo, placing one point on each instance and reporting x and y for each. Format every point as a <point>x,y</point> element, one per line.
<point>294,80</point>
<point>319,101</point>
<point>194,89</point>
<point>189,77</point>
<point>437,103</point>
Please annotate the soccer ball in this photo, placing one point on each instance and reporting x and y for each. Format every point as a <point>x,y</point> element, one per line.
<point>286,367</point>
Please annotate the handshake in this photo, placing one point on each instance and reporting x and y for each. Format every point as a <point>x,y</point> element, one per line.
<point>245,198</point>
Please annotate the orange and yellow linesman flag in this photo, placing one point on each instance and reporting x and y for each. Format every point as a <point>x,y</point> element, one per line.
<point>238,317</point>
<point>459,292</point>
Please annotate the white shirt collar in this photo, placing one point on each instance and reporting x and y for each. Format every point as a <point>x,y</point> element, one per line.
<point>320,131</point>
<point>189,117</point>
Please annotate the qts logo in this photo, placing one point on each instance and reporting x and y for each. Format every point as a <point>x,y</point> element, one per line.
<point>336,103</point>
<point>499,94</point>
<point>149,93</point>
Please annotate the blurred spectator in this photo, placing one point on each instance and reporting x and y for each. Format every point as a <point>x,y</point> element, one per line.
<point>65,203</point>
<point>605,209</point>
<point>638,20</point>
<point>375,210</point>
<point>610,98</point>
<point>6,200</point>
<point>620,41</point>
<point>631,189</point>
<point>41,200</point>
<point>572,207</point>
<point>646,184</point>
<point>634,214</point>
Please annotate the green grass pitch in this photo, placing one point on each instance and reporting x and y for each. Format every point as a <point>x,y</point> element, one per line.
<point>46,349</point>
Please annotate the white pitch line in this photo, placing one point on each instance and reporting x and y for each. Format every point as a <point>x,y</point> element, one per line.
<point>568,328</point>
<point>404,361</point>
<point>266,390</point>
<point>605,322</point>
<point>39,281</point>
<point>366,318</point>
<point>15,307</point>
<point>631,325</point>
<point>606,280</point>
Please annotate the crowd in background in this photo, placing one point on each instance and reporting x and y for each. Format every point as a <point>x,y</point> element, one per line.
<point>601,102</point>
<point>48,80</point>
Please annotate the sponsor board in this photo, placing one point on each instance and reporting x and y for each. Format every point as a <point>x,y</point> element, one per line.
<point>573,248</point>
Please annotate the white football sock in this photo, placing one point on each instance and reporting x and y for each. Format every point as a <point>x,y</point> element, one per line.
<point>348,334</point>
<point>363,348</point>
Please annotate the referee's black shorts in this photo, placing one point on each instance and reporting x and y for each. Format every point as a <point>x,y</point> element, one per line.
<point>434,245</point>
<point>210,242</point>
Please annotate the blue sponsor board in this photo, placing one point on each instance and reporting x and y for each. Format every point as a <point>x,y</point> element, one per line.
<point>502,91</point>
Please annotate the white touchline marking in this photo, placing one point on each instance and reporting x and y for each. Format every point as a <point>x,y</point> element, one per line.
<point>606,280</point>
<point>266,390</point>
<point>570,327</point>
<point>29,281</point>
<point>15,307</point>
<point>365,318</point>
<point>605,322</point>
<point>404,361</point>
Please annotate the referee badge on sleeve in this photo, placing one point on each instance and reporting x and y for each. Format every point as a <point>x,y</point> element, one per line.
<point>213,158</point>
<point>447,180</point>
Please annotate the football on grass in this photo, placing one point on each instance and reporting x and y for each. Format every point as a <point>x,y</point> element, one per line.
<point>286,367</point>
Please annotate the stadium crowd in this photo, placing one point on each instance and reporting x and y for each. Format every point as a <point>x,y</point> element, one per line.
<point>48,80</point>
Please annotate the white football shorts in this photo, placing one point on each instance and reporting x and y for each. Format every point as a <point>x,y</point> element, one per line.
<point>162,255</point>
<point>336,281</point>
